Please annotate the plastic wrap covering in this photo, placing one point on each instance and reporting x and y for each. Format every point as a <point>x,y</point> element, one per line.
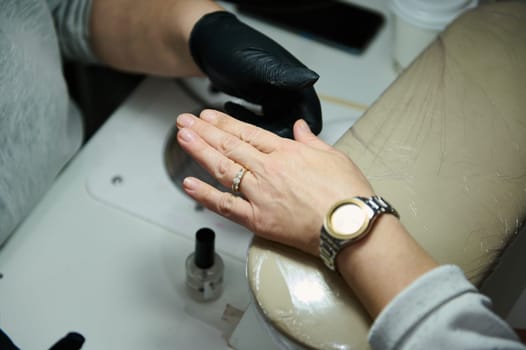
<point>303,301</point>
<point>446,145</point>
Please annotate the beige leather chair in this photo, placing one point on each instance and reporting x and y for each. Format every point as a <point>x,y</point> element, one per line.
<point>446,144</point>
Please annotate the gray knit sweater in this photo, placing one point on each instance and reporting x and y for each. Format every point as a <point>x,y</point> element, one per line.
<point>40,129</point>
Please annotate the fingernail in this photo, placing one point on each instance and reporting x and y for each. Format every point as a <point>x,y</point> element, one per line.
<point>208,115</point>
<point>190,184</point>
<point>303,125</point>
<point>185,121</point>
<point>186,135</point>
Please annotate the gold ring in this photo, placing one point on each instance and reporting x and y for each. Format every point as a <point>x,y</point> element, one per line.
<point>237,180</point>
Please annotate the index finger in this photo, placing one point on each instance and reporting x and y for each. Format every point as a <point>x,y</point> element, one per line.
<point>261,139</point>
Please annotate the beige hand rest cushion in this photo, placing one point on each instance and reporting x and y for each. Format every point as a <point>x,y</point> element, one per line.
<point>446,145</point>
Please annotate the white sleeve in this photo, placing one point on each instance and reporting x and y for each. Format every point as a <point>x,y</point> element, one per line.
<point>441,310</point>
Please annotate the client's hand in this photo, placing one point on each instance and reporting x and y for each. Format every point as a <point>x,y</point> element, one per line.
<point>289,185</point>
<point>245,63</point>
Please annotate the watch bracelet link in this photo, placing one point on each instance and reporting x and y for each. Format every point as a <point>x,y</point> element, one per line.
<point>330,247</point>
<point>379,205</point>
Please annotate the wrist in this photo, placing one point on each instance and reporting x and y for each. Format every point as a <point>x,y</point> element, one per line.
<point>182,25</point>
<point>382,264</point>
<point>205,34</point>
<point>179,23</point>
<point>383,232</point>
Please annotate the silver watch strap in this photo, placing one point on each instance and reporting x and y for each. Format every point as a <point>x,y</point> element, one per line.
<point>379,205</point>
<point>329,248</point>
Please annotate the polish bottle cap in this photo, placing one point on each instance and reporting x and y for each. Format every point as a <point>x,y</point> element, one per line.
<point>204,248</point>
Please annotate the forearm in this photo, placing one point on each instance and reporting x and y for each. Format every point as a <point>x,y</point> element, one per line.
<point>382,264</point>
<point>147,36</point>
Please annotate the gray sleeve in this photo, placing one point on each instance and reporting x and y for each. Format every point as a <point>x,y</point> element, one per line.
<point>441,310</point>
<point>72,22</point>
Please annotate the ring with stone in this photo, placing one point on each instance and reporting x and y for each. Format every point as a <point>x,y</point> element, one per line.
<point>237,180</point>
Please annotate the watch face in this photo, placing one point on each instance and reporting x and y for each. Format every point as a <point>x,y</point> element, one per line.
<point>348,219</point>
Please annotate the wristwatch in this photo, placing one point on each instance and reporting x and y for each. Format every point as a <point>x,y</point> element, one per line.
<point>348,221</point>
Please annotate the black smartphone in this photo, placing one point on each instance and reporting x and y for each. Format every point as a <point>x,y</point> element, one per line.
<point>336,23</point>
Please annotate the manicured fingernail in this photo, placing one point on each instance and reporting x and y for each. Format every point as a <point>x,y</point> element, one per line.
<point>190,184</point>
<point>185,121</point>
<point>186,135</point>
<point>209,115</point>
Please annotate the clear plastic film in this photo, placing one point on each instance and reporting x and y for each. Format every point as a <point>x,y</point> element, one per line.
<point>303,304</point>
<point>446,145</point>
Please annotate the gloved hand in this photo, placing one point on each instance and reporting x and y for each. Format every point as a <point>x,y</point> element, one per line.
<point>72,341</point>
<point>243,62</point>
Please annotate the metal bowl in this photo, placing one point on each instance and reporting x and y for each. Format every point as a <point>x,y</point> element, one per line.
<point>180,165</point>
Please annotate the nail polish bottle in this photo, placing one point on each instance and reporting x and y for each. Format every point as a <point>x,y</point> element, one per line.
<point>204,268</point>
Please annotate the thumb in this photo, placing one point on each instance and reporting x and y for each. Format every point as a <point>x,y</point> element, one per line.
<point>282,75</point>
<point>294,78</point>
<point>303,134</point>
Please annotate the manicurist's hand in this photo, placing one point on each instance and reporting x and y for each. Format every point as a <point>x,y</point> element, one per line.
<point>289,185</point>
<point>246,63</point>
<point>177,38</point>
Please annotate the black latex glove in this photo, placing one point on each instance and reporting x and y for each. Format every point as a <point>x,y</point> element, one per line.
<point>72,341</point>
<point>6,343</point>
<point>243,62</point>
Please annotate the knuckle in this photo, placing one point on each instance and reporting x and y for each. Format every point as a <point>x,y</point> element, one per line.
<point>250,135</point>
<point>225,205</point>
<point>228,144</point>
<point>223,167</point>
